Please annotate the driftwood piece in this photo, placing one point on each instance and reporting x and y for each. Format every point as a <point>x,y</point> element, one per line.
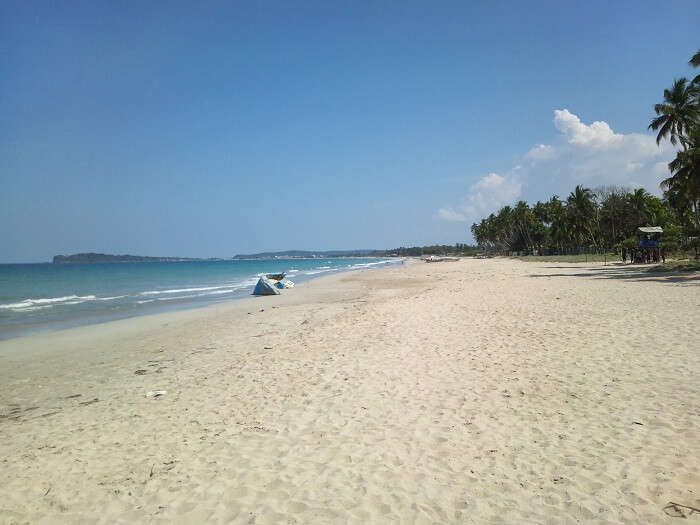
<point>675,510</point>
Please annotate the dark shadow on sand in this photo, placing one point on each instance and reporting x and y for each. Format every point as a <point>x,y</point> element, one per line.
<point>630,273</point>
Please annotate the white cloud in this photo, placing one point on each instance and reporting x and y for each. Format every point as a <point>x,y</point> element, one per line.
<point>540,152</point>
<point>633,166</point>
<point>490,193</point>
<point>661,169</point>
<point>451,215</point>
<point>593,154</point>
<point>589,154</point>
<point>487,194</point>
<point>492,180</point>
<point>596,135</point>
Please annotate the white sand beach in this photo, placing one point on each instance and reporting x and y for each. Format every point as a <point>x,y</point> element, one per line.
<point>478,391</point>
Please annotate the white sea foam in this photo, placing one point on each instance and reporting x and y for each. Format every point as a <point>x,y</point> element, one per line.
<point>28,303</point>
<point>229,290</point>
<point>182,290</point>
<point>370,264</point>
<point>222,291</point>
<point>31,308</point>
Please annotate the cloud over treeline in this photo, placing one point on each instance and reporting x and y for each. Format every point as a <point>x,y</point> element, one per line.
<point>589,154</point>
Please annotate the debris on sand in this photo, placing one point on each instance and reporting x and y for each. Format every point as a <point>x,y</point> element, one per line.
<point>156,393</point>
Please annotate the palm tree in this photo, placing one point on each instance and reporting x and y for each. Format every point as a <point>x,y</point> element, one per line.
<point>678,114</point>
<point>524,222</point>
<point>612,213</point>
<point>504,226</point>
<point>638,206</point>
<point>559,227</point>
<point>581,209</point>
<point>695,62</point>
<point>683,186</point>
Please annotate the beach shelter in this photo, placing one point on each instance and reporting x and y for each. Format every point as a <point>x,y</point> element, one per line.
<point>649,236</point>
<point>651,229</point>
<point>648,244</point>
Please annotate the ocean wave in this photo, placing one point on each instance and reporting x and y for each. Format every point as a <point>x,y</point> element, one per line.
<point>182,290</point>
<point>31,308</point>
<point>368,265</point>
<point>219,292</point>
<point>28,303</point>
<point>232,289</point>
<point>206,291</point>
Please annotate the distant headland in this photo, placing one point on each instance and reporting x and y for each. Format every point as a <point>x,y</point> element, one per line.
<point>291,254</point>
<point>106,258</point>
<point>436,249</point>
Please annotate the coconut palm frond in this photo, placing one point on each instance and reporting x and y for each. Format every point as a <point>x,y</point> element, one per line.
<point>695,60</point>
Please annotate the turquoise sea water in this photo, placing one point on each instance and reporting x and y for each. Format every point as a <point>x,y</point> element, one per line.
<point>45,297</point>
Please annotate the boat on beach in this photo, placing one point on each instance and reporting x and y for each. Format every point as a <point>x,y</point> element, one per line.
<point>275,276</point>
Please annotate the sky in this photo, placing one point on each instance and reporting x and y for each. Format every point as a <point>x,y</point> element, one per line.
<point>207,129</point>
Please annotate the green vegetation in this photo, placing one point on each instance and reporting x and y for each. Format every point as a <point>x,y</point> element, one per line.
<point>605,219</point>
<point>592,221</point>
<point>436,249</point>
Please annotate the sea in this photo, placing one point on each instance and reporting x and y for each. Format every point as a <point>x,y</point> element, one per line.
<point>47,297</point>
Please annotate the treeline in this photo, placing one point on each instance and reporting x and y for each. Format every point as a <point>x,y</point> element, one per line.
<point>607,218</point>
<point>435,249</point>
<point>599,220</point>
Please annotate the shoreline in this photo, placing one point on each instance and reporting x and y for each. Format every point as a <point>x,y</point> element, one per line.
<point>137,324</point>
<point>97,318</point>
<point>461,392</point>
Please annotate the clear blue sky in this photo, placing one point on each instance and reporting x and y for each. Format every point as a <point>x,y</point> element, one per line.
<point>209,129</point>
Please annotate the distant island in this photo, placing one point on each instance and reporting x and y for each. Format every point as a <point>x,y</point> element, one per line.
<point>106,258</point>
